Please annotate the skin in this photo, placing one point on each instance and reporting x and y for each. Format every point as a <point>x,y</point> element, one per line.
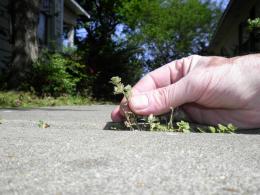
<point>210,90</point>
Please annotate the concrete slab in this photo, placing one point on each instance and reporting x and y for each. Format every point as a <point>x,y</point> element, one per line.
<point>76,156</point>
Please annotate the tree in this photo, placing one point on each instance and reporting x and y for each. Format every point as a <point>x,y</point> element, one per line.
<point>107,55</point>
<point>169,29</point>
<point>153,32</point>
<point>25,50</point>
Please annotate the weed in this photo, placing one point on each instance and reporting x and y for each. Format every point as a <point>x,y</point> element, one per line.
<point>42,124</point>
<point>253,24</point>
<point>119,88</point>
<point>183,127</point>
<point>158,123</point>
<point>230,128</point>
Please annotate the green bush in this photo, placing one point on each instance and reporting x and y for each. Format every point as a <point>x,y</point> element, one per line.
<point>55,74</point>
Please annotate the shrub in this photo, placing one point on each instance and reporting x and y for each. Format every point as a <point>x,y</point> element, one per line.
<point>55,74</point>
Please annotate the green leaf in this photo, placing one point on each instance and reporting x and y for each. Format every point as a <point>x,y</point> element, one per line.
<point>119,89</point>
<point>183,126</point>
<point>115,80</point>
<point>212,129</point>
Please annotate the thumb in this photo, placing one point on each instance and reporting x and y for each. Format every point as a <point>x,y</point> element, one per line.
<point>160,100</point>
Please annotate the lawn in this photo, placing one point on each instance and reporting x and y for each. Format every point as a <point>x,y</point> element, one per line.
<point>13,99</point>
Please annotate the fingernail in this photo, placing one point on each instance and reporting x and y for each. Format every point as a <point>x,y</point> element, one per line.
<point>139,102</point>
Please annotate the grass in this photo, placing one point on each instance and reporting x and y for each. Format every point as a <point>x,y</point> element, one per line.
<point>13,99</point>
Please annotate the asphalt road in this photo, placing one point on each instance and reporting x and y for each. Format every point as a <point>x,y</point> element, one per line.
<point>75,155</point>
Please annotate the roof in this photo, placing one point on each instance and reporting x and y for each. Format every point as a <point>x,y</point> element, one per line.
<point>232,12</point>
<point>74,6</point>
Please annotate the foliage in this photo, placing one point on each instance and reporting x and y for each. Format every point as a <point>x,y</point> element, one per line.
<point>128,37</point>
<point>51,76</point>
<point>169,29</point>
<point>119,87</point>
<point>56,74</point>
<point>183,126</point>
<point>157,123</point>
<point>42,124</point>
<point>253,24</point>
<point>103,52</point>
<point>28,100</point>
<point>230,128</point>
<point>123,38</point>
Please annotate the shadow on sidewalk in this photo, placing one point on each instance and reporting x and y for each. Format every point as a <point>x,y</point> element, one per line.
<point>115,126</point>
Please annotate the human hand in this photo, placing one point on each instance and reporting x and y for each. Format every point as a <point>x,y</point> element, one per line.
<point>210,90</point>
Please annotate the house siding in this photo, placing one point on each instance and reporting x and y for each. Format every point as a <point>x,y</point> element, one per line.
<point>5,37</point>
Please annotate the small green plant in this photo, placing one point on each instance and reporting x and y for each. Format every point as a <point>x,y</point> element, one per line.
<point>154,124</point>
<point>119,88</point>
<point>158,123</point>
<point>183,127</point>
<point>253,24</point>
<point>230,128</point>
<point>42,124</point>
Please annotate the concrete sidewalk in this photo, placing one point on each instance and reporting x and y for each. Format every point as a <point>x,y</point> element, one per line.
<point>76,156</point>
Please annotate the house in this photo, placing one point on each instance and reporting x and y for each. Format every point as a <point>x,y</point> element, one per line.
<point>57,19</point>
<point>232,36</point>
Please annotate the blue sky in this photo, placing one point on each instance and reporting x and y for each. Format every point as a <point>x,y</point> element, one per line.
<point>224,3</point>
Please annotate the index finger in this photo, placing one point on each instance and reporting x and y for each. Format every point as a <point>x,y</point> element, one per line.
<point>164,76</point>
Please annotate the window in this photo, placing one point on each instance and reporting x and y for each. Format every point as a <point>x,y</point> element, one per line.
<point>42,29</point>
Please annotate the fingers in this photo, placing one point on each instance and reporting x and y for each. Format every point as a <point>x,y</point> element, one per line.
<point>209,116</point>
<point>167,74</point>
<point>116,115</point>
<point>160,100</point>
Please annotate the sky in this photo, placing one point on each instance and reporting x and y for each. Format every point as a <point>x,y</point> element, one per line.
<point>224,3</point>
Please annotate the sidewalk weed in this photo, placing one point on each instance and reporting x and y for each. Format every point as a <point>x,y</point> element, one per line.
<point>42,124</point>
<point>158,123</point>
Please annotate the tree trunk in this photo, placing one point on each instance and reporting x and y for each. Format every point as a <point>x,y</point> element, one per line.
<point>25,49</point>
